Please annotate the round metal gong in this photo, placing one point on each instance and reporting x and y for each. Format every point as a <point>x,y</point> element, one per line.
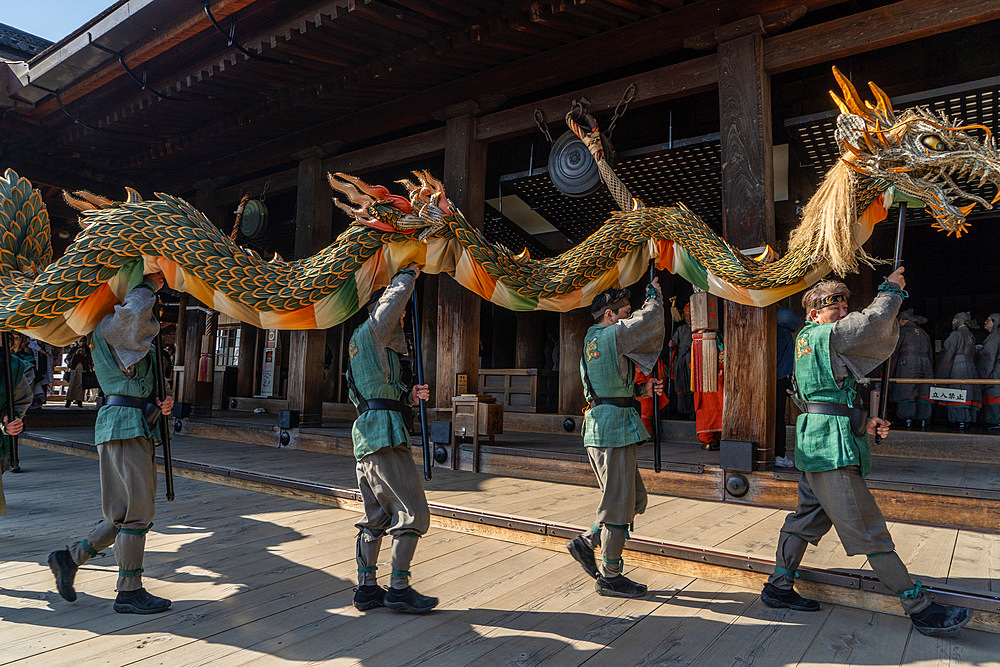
<point>254,220</point>
<point>571,167</point>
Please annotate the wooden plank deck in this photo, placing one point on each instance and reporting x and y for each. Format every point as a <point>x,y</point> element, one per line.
<point>965,559</point>
<point>257,579</point>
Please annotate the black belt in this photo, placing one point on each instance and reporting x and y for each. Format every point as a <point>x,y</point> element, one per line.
<point>381,404</point>
<point>126,401</point>
<point>617,401</point>
<point>150,410</point>
<point>857,416</point>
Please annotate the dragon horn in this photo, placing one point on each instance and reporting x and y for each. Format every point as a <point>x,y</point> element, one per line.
<point>77,203</point>
<point>851,99</point>
<point>883,106</point>
<point>348,189</point>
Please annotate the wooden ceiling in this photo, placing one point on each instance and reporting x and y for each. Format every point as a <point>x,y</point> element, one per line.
<point>343,73</point>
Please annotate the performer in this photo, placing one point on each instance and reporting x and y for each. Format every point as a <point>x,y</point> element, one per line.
<point>23,373</point>
<point>833,352</point>
<point>79,362</point>
<point>680,343</point>
<point>612,429</point>
<point>956,362</point>
<point>390,485</point>
<point>912,359</point>
<point>126,441</point>
<point>708,409</point>
<point>988,366</point>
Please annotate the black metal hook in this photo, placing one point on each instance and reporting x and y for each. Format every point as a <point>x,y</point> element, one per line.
<point>128,70</point>
<point>231,38</point>
<point>76,119</point>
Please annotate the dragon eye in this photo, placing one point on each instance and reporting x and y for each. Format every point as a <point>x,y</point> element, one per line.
<point>933,142</point>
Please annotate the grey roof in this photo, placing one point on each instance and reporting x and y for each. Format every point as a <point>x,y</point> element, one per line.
<point>17,43</point>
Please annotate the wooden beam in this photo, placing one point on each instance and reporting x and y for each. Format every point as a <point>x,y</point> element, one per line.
<point>313,231</point>
<point>389,153</point>
<point>658,85</point>
<point>458,308</point>
<point>647,39</point>
<point>748,221</point>
<point>875,29</point>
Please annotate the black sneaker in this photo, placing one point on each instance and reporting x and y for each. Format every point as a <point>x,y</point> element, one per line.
<point>369,597</point>
<point>584,555</point>
<point>62,566</point>
<point>938,619</point>
<point>619,586</point>
<point>777,598</point>
<point>140,602</point>
<point>407,599</point>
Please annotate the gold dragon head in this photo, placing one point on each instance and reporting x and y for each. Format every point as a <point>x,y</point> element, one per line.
<point>922,154</point>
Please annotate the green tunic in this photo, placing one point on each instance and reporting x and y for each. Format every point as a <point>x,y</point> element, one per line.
<point>118,422</point>
<point>18,368</point>
<point>825,442</point>
<point>608,425</point>
<point>375,429</point>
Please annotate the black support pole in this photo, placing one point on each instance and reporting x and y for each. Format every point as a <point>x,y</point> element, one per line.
<point>883,397</point>
<point>162,422</point>
<point>15,461</point>
<point>418,358</point>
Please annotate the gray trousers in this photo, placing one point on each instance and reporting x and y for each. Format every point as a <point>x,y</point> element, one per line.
<point>128,494</point>
<point>395,503</point>
<point>841,499</point>
<point>623,496</point>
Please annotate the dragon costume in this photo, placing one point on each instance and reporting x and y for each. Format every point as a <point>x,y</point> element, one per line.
<point>915,152</point>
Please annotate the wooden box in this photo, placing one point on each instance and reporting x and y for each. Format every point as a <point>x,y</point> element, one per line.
<point>521,389</point>
<point>464,411</point>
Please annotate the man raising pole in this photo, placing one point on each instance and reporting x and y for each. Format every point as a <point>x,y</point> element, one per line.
<point>833,351</point>
<point>613,428</point>
<point>390,485</point>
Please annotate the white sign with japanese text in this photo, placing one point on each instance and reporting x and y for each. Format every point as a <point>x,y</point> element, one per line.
<point>949,395</point>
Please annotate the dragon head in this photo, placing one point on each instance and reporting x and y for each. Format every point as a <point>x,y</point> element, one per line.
<point>922,154</point>
<point>376,207</point>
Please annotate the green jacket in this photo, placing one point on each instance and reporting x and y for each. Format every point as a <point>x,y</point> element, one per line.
<point>373,359</point>
<point>117,422</point>
<point>608,425</point>
<point>22,395</point>
<point>825,442</point>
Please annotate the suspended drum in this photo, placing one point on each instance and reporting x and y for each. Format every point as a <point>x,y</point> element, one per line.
<point>253,223</point>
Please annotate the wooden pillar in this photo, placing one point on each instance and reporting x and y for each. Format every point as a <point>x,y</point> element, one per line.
<point>313,231</point>
<point>197,394</point>
<point>572,328</point>
<point>457,307</point>
<point>748,222</point>
<point>245,367</point>
<point>529,350</point>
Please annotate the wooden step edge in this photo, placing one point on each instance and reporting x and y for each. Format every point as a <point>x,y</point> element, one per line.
<point>827,585</point>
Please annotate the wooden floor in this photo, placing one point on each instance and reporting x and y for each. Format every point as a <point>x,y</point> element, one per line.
<point>964,559</point>
<point>257,579</point>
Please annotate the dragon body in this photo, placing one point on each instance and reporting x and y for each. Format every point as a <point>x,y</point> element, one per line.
<point>57,301</point>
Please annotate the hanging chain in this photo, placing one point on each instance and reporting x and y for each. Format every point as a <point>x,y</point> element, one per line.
<point>621,107</point>
<point>540,122</point>
<point>263,193</point>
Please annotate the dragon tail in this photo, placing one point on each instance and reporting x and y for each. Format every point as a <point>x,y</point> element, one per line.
<point>25,244</point>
